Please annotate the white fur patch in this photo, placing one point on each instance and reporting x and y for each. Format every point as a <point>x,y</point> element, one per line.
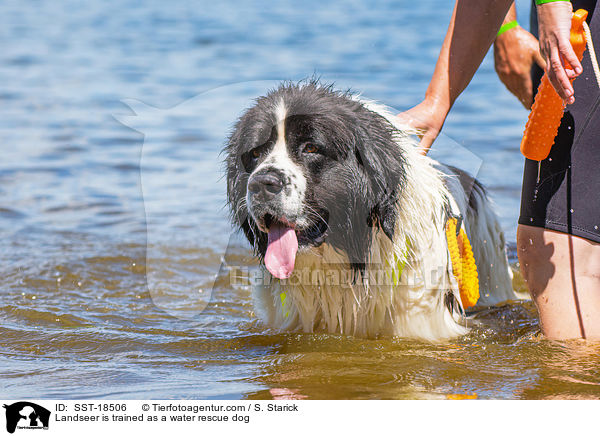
<point>295,182</point>
<point>280,116</point>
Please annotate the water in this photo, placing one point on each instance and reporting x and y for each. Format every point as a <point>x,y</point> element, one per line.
<point>113,238</point>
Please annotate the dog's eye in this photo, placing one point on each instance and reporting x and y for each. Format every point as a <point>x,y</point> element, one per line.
<point>310,148</point>
<point>256,153</point>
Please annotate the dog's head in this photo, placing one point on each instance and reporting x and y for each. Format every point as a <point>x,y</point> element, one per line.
<point>308,165</point>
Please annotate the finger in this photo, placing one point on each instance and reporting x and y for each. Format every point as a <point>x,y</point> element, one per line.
<point>427,141</point>
<point>518,88</point>
<point>567,53</point>
<point>558,76</point>
<point>539,59</point>
<point>527,93</point>
<point>536,55</point>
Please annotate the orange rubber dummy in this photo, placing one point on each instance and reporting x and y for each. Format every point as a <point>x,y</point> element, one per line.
<point>547,110</point>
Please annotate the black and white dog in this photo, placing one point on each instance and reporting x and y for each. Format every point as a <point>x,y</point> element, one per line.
<point>349,219</point>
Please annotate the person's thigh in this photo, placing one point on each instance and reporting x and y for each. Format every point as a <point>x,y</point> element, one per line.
<point>563,275</point>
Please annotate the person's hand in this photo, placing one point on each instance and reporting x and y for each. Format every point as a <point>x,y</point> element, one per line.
<point>428,118</point>
<point>554,21</point>
<point>515,51</point>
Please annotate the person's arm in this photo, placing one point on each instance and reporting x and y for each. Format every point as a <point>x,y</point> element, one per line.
<point>515,51</point>
<point>472,29</point>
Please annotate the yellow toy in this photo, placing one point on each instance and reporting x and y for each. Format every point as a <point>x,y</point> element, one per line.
<point>463,264</point>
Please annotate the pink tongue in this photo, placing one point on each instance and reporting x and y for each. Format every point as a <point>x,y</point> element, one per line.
<point>281,251</point>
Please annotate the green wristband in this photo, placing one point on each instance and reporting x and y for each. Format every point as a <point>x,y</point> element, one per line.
<point>507,26</point>
<point>541,2</point>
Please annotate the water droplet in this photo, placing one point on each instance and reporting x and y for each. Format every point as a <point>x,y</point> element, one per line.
<point>571,211</point>
<point>595,227</point>
<point>531,220</point>
<point>569,127</point>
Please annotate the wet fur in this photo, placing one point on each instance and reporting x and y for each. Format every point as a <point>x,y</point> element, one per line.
<point>386,206</point>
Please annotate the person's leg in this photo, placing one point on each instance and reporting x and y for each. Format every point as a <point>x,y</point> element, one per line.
<point>563,275</point>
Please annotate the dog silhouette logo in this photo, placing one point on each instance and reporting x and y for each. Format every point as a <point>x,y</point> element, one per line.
<point>26,415</point>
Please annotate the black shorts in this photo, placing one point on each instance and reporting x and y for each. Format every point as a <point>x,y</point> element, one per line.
<point>567,197</point>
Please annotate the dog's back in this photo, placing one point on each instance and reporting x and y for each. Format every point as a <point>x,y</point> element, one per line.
<point>486,236</point>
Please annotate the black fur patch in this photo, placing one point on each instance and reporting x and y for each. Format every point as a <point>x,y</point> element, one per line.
<point>471,186</point>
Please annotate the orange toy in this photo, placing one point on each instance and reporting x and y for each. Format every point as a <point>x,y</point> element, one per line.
<point>547,110</point>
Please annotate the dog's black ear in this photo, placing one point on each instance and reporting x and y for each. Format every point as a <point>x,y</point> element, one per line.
<point>383,166</point>
<point>384,215</point>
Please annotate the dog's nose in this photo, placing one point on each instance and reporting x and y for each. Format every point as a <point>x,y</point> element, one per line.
<point>267,185</point>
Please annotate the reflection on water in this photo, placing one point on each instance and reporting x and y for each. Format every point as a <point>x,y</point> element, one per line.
<point>81,245</point>
<point>89,320</point>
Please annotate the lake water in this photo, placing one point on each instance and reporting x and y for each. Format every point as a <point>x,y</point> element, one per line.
<point>115,245</point>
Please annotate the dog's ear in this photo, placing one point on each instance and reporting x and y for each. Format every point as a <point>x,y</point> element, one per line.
<point>383,165</point>
<point>384,215</point>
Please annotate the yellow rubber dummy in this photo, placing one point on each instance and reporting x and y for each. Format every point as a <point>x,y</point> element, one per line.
<point>463,264</point>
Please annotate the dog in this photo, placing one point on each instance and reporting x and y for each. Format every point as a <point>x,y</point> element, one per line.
<point>348,219</point>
